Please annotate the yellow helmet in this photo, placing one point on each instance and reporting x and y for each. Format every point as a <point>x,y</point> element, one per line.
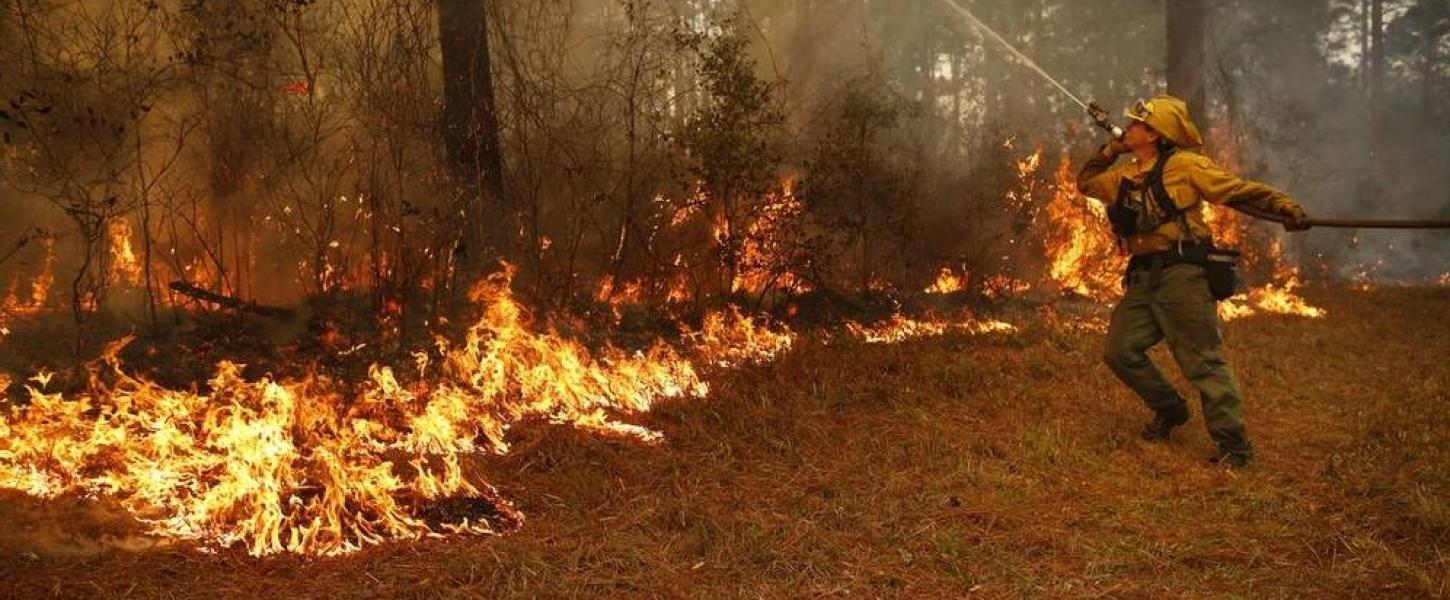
<point>1169,117</point>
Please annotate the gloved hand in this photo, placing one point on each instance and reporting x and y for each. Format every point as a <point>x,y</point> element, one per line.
<point>1113,148</point>
<point>1295,219</point>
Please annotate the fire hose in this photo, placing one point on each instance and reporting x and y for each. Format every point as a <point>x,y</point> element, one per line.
<point>1350,223</point>
<point>1100,118</point>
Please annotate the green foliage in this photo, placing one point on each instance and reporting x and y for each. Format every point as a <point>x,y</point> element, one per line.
<point>729,142</point>
<point>862,195</point>
<point>728,137</point>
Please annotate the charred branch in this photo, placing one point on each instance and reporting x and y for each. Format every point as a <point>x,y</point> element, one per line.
<point>237,304</point>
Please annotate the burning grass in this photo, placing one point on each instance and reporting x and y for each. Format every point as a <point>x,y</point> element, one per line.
<point>1004,464</point>
<point>409,458</point>
<point>304,466</point>
<point>900,328</point>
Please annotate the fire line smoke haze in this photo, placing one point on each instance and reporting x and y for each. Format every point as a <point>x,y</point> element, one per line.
<point>263,116</point>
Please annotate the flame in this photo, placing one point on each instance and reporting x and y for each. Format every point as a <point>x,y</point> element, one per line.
<point>1025,193</point>
<point>638,291</point>
<point>1083,255</point>
<point>309,466</point>
<point>900,328</point>
<point>1273,298</point>
<point>766,244</point>
<point>37,298</point>
<point>124,264</point>
<point>40,286</point>
<point>947,282</point>
<point>682,214</point>
<point>630,292</point>
<point>1084,258</point>
<point>679,290</point>
<point>198,272</point>
<point>1277,297</point>
<point>1226,225</point>
<point>998,285</point>
<point>729,338</point>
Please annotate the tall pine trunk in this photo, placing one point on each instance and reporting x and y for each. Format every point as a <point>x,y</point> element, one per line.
<point>1186,64</point>
<point>470,126</point>
<point>1376,90</point>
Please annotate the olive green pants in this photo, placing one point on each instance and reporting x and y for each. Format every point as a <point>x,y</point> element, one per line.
<point>1174,304</point>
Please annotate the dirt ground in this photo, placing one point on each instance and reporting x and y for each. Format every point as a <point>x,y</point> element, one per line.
<point>992,466</point>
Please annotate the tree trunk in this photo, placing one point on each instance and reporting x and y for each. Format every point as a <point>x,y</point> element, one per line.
<point>470,124</point>
<point>1364,44</point>
<point>231,159</point>
<point>1186,64</point>
<point>1376,89</point>
<point>234,42</point>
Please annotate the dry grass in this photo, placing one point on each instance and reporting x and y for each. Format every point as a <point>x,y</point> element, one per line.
<point>990,466</point>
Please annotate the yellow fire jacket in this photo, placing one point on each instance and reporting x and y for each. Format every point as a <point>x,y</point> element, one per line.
<point>1190,179</point>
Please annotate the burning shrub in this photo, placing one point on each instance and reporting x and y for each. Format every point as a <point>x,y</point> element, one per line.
<point>728,141</point>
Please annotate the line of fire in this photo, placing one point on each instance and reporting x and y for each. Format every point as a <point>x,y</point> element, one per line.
<point>722,298</point>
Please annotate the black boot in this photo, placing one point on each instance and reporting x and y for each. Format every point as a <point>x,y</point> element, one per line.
<point>1163,423</point>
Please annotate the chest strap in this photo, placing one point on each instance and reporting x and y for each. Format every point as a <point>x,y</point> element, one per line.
<point>1159,192</point>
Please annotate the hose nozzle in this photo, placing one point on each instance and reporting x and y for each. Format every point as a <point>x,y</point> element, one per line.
<point>1100,117</point>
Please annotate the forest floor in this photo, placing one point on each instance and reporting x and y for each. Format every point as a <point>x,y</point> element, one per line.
<point>992,466</point>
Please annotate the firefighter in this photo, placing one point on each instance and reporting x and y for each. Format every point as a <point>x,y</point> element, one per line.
<point>1157,209</point>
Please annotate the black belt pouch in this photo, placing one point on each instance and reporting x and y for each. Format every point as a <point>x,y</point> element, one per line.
<point>1220,266</point>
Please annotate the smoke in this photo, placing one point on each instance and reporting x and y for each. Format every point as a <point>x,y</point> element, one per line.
<point>272,139</point>
<point>1296,74</point>
<point>1287,83</point>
